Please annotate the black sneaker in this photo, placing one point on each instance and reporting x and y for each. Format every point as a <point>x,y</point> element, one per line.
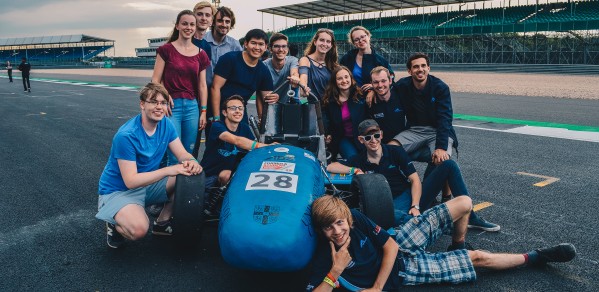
<point>477,222</point>
<point>162,228</point>
<point>29,90</point>
<point>563,252</point>
<point>113,238</point>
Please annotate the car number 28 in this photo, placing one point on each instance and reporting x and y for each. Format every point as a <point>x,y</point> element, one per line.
<point>272,181</point>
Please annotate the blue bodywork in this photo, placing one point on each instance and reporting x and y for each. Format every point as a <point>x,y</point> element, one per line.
<point>265,218</point>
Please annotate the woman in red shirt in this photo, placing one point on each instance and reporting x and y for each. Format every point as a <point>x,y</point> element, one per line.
<point>181,67</point>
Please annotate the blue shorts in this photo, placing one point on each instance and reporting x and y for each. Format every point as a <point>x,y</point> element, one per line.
<point>110,204</point>
<point>422,267</point>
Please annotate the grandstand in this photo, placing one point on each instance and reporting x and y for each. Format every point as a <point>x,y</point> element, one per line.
<point>450,31</point>
<point>150,50</point>
<point>54,50</point>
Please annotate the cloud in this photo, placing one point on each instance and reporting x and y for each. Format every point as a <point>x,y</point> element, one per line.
<point>149,6</point>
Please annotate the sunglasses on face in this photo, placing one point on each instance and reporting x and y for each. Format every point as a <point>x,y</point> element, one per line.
<point>367,138</point>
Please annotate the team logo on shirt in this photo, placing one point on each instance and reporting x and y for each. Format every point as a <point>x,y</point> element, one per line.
<point>265,214</point>
<point>363,241</point>
<point>397,110</point>
<point>226,153</point>
<point>376,230</point>
<point>379,115</point>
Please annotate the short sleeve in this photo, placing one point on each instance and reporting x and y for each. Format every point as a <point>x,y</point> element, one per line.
<point>171,131</point>
<point>405,163</point>
<point>246,132</point>
<point>293,62</point>
<point>123,147</point>
<point>378,235</point>
<point>163,52</point>
<point>217,129</point>
<point>203,60</point>
<point>225,66</point>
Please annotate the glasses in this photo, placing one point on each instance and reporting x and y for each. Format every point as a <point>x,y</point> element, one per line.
<point>157,103</point>
<point>367,138</point>
<point>364,36</point>
<point>281,47</point>
<point>235,108</point>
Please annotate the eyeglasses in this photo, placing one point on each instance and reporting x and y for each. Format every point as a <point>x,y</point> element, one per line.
<point>282,47</point>
<point>235,108</point>
<point>367,138</point>
<point>157,103</point>
<point>360,38</point>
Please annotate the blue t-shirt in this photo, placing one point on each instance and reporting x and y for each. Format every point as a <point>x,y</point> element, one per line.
<point>220,155</point>
<point>357,72</point>
<point>395,165</point>
<point>390,115</point>
<point>132,143</point>
<point>241,79</point>
<point>366,251</point>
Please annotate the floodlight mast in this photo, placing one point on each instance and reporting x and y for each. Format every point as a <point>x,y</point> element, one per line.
<point>216,3</point>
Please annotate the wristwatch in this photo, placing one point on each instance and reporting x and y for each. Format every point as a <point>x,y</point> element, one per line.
<point>415,207</point>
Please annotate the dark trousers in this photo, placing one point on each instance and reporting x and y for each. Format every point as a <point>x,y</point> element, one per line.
<point>26,84</point>
<point>9,75</point>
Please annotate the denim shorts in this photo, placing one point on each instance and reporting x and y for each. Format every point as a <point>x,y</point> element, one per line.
<point>110,204</point>
<point>422,267</point>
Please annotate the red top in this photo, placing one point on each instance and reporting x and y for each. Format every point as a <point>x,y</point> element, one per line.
<point>181,73</point>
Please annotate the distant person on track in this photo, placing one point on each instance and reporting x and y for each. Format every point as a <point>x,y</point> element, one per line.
<point>25,68</point>
<point>9,71</point>
<point>244,73</point>
<point>181,67</point>
<point>132,179</point>
<point>319,60</point>
<point>359,255</point>
<point>430,137</point>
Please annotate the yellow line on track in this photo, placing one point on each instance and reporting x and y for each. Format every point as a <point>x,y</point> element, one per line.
<point>481,206</point>
<point>548,179</point>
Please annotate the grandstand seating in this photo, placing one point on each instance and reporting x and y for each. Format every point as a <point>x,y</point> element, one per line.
<point>54,55</point>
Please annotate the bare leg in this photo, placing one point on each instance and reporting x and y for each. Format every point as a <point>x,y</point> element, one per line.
<point>459,208</point>
<point>132,222</point>
<point>483,259</point>
<point>167,211</point>
<point>224,177</point>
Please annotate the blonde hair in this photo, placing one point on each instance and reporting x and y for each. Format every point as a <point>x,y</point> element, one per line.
<point>151,90</point>
<point>204,4</point>
<point>355,28</point>
<point>328,209</point>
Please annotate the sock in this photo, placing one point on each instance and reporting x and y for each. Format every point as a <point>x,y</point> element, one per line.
<point>531,257</point>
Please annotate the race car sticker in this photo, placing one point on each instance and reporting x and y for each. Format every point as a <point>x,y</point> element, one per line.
<point>307,155</point>
<point>288,167</point>
<point>272,181</point>
<point>281,149</point>
<point>286,157</point>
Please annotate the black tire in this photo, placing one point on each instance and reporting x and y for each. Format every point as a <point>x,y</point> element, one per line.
<point>188,209</point>
<point>376,200</point>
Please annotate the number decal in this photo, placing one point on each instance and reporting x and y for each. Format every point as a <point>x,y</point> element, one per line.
<point>261,183</point>
<point>272,181</point>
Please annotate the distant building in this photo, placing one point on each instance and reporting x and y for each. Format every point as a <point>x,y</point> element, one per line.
<point>150,51</point>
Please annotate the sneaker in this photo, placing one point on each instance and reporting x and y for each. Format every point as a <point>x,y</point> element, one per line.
<point>29,90</point>
<point>162,228</point>
<point>467,246</point>
<point>25,90</point>
<point>477,222</point>
<point>113,238</point>
<point>563,252</point>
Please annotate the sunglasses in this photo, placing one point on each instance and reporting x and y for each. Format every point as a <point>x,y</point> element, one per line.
<point>367,138</point>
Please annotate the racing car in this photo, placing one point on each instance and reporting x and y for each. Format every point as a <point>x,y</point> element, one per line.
<point>264,211</point>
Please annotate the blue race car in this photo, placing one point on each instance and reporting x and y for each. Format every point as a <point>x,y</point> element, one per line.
<point>264,211</point>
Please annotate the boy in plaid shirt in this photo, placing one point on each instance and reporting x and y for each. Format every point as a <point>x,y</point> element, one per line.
<point>355,253</point>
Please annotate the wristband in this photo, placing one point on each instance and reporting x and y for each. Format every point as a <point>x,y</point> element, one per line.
<point>254,145</point>
<point>204,107</point>
<point>203,111</point>
<point>330,276</point>
<point>193,159</point>
<point>329,280</point>
<point>351,170</point>
<point>216,118</point>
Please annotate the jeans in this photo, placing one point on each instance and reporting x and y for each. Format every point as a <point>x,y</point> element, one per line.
<point>347,148</point>
<point>431,186</point>
<point>185,117</point>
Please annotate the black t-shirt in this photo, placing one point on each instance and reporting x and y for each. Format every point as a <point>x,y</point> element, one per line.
<point>220,155</point>
<point>395,165</point>
<point>366,250</point>
<point>390,116</point>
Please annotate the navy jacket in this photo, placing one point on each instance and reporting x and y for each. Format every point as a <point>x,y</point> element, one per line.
<point>357,112</point>
<point>369,61</point>
<point>438,107</point>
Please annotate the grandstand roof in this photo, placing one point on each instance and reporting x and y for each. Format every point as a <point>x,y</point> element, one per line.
<point>60,39</point>
<point>322,8</point>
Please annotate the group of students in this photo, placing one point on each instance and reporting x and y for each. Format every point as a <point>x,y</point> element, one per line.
<point>203,80</point>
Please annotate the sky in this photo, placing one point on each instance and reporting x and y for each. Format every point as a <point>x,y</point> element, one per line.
<point>128,22</point>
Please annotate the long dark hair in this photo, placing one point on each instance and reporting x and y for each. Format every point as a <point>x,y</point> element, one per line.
<point>332,92</point>
<point>330,58</point>
<point>175,33</point>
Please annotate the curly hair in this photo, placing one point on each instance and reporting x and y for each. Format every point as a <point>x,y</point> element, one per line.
<point>332,91</point>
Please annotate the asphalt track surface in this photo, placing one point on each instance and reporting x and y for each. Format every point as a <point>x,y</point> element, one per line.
<point>55,142</point>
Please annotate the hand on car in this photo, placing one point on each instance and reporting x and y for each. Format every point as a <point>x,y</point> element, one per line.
<point>271,98</point>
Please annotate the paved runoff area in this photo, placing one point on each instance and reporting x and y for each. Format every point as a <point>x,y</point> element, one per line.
<point>529,160</point>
